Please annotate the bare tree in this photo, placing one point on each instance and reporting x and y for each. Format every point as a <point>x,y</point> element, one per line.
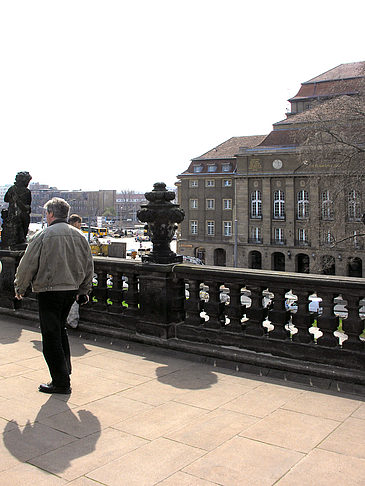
<point>332,154</point>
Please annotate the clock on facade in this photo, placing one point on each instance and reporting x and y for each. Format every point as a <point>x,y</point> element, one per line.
<point>277,164</point>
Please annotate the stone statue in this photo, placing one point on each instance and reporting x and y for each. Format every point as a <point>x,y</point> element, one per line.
<point>16,218</point>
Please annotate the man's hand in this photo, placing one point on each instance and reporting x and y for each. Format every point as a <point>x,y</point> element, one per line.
<point>18,296</point>
<point>82,299</point>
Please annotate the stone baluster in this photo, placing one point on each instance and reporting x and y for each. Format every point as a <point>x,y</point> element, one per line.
<point>327,321</point>
<point>192,304</point>
<point>132,294</point>
<point>353,325</point>
<point>234,308</point>
<point>213,307</point>
<point>100,291</point>
<point>116,293</point>
<point>302,318</point>
<point>278,315</point>
<point>255,313</point>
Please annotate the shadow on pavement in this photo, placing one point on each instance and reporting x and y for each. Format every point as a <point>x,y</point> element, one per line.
<point>37,439</point>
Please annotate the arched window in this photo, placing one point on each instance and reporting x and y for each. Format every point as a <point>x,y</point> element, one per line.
<point>256,204</point>
<point>353,205</point>
<point>279,204</point>
<point>326,205</point>
<point>302,204</point>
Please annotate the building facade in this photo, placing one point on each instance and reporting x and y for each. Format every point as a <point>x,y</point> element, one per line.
<point>252,202</point>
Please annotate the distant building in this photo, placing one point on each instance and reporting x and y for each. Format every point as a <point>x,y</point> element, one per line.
<point>247,200</point>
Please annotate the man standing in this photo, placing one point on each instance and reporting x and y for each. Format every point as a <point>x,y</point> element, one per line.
<point>58,263</point>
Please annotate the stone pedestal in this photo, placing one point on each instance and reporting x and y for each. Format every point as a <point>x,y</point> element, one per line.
<point>9,261</point>
<point>162,298</point>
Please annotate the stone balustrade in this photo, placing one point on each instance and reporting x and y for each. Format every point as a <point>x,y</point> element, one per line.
<point>290,322</point>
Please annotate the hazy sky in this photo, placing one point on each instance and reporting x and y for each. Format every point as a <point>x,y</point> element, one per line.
<point>121,94</point>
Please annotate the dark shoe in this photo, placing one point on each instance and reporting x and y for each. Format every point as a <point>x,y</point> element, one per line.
<point>50,388</point>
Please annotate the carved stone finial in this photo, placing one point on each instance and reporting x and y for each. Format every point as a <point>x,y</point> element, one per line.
<point>161,216</point>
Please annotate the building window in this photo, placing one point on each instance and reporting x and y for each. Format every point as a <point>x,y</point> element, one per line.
<point>198,168</point>
<point>256,234</point>
<point>210,228</point>
<point>328,238</point>
<point>227,203</point>
<point>209,183</point>
<point>354,206</point>
<point>193,227</point>
<point>193,183</point>
<point>302,236</point>
<point>302,204</point>
<point>227,182</point>
<point>193,204</point>
<point>279,236</point>
<point>226,167</point>
<point>227,228</point>
<point>256,204</point>
<point>279,205</point>
<point>326,205</point>
<point>210,203</point>
<point>212,167</point>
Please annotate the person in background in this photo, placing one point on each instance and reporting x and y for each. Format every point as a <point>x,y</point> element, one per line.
<point>59,266</point>
<point>74,314</point>
<point>75,220</point>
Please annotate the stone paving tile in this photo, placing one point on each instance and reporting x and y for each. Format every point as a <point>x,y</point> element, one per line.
<point>83,481</point>
<point>81,369</point>
<point>114,408</point>
<point>28,475</point>
<point>323,468</point>
<point>323,405</point>
<point>153,392</point>
<point>347,439</point>
<point>36,363</point>
<point>291,430</point>
<point>244,462</point>
<point>183,479</point>
<point>215,396</point>
<point>147,465</point>
<point>263,400</point>
<point>213,429</point>
<point>17,386</point>
<point>31,408</point>
<point>160,420</point>
<point>88,453</point>
<point>12,369</point>
<point>360,412</point>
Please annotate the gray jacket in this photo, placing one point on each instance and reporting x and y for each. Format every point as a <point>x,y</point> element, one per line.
<point>57,258</point>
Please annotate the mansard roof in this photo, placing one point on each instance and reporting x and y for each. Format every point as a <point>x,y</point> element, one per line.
<point>341,80</point>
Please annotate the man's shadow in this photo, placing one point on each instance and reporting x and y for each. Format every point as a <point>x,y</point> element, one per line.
<point>32,441</point>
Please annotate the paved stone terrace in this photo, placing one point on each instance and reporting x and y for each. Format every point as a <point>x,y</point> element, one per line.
<point>144,416</point>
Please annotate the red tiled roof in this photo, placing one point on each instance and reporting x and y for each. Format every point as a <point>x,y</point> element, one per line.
<point>343,71</point>
<point>230,148</point>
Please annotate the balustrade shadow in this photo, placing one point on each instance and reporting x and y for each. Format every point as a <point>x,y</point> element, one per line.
<point>33,440</point>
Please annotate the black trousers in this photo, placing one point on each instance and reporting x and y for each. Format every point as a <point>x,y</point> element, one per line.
<point>54,308</point>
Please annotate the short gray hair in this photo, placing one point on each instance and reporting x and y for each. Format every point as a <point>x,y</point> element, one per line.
<point>58,206</point>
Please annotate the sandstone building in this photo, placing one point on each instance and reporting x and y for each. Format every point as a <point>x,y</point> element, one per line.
<point>252,202</point>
